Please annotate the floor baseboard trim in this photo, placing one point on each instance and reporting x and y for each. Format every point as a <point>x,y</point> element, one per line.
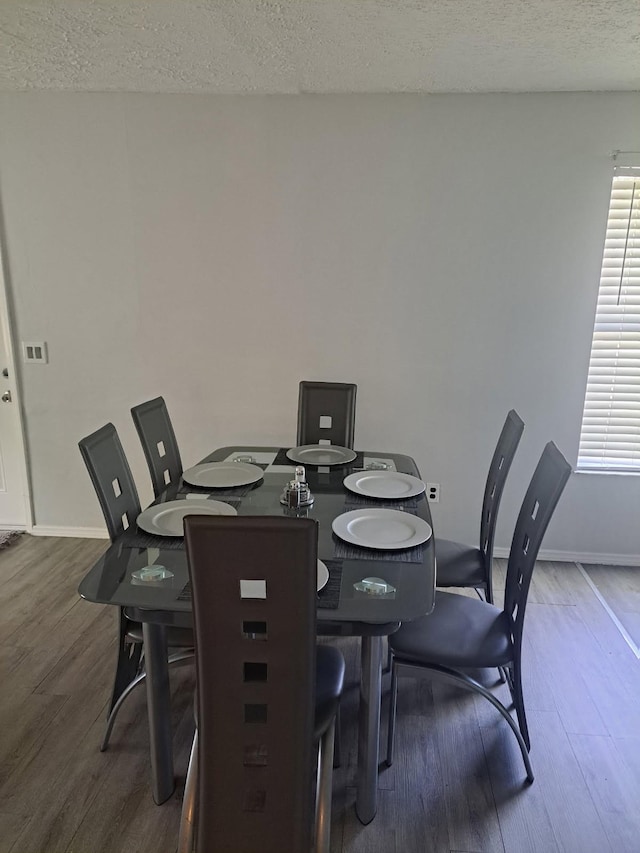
<point>75,532</point>
<point>580,557</point>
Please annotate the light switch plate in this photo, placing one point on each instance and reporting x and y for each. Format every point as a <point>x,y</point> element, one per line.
<point>35,352</point>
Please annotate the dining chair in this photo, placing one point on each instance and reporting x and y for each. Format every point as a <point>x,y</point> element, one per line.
<point>159,443</point>
<point>459,565</point>
<point>267,696</point>
<point>118,497</point>
<point>326,413</point>
<point>467,633</point>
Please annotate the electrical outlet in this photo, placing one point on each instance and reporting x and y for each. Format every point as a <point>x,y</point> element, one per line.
<point>35,352</point>
<point>433,492</point>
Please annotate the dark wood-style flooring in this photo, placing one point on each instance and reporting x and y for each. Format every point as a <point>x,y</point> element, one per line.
<point>457,782</point>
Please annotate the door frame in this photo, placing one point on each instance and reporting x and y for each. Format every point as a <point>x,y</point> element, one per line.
<point>6,318</point>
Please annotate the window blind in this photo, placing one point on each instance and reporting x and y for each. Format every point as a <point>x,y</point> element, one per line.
<point>610,435</point>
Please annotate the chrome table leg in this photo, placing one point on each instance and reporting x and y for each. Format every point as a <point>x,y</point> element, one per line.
<point>369,728</point>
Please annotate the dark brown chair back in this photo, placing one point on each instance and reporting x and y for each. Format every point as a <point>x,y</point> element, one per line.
<point>254,603</point>
<point>326,412</point>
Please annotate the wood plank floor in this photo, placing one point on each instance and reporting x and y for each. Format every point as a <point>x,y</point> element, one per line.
<point>457,782</point>
<point>620,588</point>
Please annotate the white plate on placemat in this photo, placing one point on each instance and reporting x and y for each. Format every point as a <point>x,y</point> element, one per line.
<point>321,454</point>
<point>222,475</point>
<point>384,529</point>
<point>323,576</point>
<point>167,519</point>
<point>384,484</point>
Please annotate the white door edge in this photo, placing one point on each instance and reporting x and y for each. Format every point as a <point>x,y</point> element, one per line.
<point>6,316</point>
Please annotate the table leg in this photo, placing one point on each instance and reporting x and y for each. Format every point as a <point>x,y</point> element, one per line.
<point>159,710</point>
<point>369,728</point>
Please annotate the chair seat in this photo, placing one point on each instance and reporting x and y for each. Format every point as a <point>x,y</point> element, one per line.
<point>458,564</point>
<point>177,638</point>
<point>329,680</point>
<point>461,632</point>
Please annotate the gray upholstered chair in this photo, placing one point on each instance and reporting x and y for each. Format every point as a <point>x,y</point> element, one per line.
<point>159,443</point>
<point>116,491</point>
<point>465,633</point>
<point>464,565</point>
<point>326,412</point>
<point>267,696</point>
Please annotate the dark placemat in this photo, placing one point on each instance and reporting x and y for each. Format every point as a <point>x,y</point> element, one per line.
<point>283,459</point>
<point>347,551</point>
<point>354,501</point>
<point>136,538</point>
<point>328,597</point>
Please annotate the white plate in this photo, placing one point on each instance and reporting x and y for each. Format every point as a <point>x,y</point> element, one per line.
<point>222,475</point>
<point>384,484</point>
<point>321,454</point>
<point>384,529</point>
<point>167,519</point>
<point>323,576</point>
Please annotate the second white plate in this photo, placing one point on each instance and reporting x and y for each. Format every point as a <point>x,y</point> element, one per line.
<point>323,576</point>
<point>222,475</point>
<point>384,484</point>
<point>384,529</point>
<point>167,519</point>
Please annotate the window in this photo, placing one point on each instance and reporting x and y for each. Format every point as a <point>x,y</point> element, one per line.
<point>610,436</point>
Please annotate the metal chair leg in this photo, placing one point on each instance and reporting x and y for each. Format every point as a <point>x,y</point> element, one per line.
<point>128,664</point>
<point>324,789</point>
<point>114,711</point>
<point>464,680</point>
<point>186,837</point>
<point>178,658</point>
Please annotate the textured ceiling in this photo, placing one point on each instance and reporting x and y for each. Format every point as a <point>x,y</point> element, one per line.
<point>292,46</point>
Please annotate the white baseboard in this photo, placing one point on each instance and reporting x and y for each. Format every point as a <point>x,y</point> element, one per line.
<point>580,557</point>
<point>75,532</point>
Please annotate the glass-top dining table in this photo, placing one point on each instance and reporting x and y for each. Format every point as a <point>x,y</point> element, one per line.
<point>344,609</point>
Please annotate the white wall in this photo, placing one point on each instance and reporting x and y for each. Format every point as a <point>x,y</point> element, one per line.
<point>440,251</point>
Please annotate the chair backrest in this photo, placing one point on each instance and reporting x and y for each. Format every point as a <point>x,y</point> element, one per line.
<point>326,412</point>
<point>543,494</point>
<point>111,477</point>
<point>158,442</point>
<point>253,582</point>
<point>496,478</point>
